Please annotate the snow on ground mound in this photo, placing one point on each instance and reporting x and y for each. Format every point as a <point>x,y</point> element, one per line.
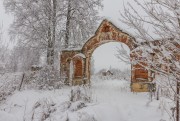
<point>111,101</point>
<point>4,116</point>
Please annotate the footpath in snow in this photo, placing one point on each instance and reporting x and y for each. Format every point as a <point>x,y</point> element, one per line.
<point>117,103</point>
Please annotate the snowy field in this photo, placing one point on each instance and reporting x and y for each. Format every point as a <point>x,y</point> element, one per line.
<point>117,103</point>
<point>111,101</point>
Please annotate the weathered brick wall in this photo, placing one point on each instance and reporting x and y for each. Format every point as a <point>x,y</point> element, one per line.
<point>65,59</point>
<point>106,32</point>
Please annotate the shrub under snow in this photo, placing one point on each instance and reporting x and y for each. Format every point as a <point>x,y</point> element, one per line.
<point>46,78</point>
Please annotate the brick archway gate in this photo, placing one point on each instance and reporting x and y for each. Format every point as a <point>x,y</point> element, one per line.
<point>107,32</point>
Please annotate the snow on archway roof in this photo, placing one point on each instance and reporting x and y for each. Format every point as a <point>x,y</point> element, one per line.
<point>115,24</point>
<point>80,54</point>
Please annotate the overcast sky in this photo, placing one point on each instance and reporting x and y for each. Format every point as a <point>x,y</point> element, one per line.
<point>111,11</point>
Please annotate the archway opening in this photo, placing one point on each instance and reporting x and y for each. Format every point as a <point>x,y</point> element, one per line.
<point>111,61</point>
<point>107,32</point>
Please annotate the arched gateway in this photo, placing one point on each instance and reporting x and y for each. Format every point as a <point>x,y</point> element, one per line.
<point>75,64</point>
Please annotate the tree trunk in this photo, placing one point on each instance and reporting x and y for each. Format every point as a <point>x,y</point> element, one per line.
<point>177,101</point>
<point>157,94</point>
<point>49,43</point>
<point>68,24</point>
<point>51,33</point>
<point>21,81</point>
<point>177,86</point>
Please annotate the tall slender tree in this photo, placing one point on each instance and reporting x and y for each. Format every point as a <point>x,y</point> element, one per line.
<point>81,20</point>
<point>34,24</point>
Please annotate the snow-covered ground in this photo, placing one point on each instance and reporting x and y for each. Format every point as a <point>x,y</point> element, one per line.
<point>111,101</point>
<point>117,103</point>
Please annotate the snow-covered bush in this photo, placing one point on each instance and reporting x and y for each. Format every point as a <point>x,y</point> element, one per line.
<point>42,110</point>
<point>82,93</point>
<point>46,78</point>
<point>47,109</point>
<point>83,116</point>
<point>75,106</point>
<point>9,82</point>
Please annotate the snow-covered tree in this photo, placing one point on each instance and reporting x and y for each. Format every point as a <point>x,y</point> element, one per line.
<point>34,24</point>
<point>161,20</point>
<point>23,58</point>
<point>46,24</point>
<point>81,20</point>
<point>1,33</point>
<point>4,52</point>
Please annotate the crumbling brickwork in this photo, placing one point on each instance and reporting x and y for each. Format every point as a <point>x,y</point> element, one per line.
<point>107,32</point>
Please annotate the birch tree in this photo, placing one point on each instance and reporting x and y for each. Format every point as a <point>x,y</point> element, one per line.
<point>2,50</point>
<point>42,23</point>
<point>1,33</point>
<point>161,20</point>
<point>81,20</point>
<point>34,23</point>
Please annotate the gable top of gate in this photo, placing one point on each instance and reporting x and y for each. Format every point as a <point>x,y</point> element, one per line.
<point>72,49</point>
<point>108,32</point>
<point>107,23</point>
<point>105,27</point>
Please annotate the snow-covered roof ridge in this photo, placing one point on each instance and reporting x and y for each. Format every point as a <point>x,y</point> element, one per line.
<point>104,22</point>
<point>108,20</point>
<point>117,25</point>
<point>80,54</point>
<point>70,49</point>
